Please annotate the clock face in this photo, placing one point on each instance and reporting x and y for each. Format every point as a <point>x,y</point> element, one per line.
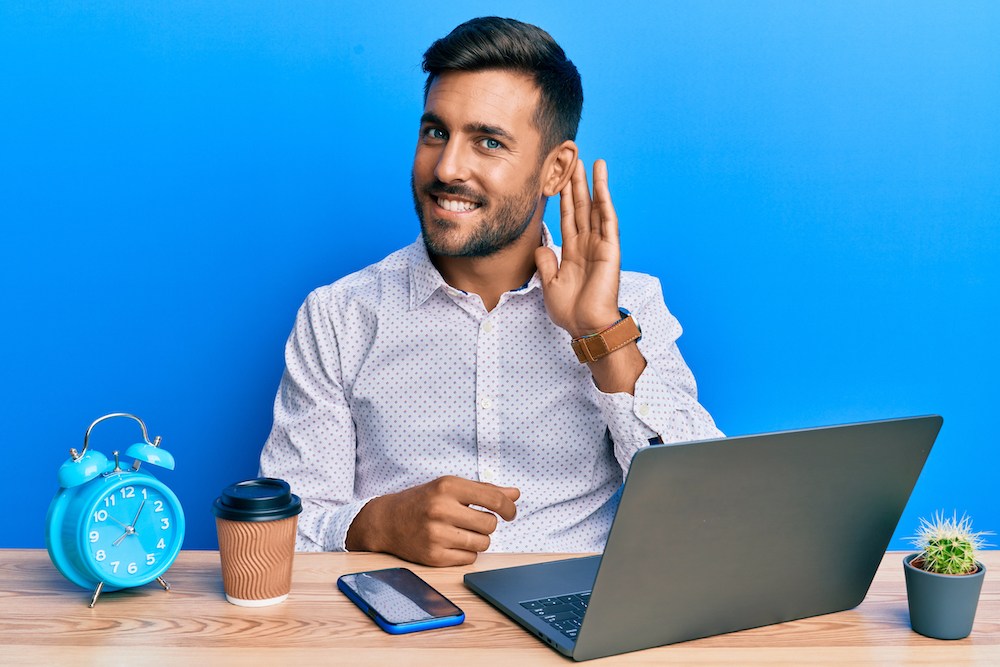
<point>133,532</point>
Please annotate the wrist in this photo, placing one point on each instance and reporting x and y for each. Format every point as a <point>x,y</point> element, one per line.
<point>594,346</point>
<point>362,535</point>
<point>594,326</point>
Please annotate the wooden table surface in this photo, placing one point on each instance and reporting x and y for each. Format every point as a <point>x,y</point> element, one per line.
<point>45,620</point>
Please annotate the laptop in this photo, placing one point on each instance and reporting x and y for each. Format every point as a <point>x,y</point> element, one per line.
<point>722,535</point>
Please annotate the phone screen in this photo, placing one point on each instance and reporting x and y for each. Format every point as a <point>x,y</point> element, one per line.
<point>399,596</point>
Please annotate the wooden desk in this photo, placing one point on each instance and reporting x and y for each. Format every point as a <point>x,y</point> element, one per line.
<point>44,620</point>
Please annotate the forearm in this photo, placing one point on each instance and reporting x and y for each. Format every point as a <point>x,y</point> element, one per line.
<point>618,371</point>
<point>661,404</point>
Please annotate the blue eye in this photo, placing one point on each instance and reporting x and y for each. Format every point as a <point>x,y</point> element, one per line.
<point>491,144</point>
<point>435,133</point>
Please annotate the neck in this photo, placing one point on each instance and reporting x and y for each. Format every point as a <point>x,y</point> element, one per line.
<point>491,276</point>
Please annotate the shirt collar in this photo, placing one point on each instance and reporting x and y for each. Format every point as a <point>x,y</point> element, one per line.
<point>425,279</point>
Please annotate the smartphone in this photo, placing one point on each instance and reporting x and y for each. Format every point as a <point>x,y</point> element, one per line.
<point>399,601</point>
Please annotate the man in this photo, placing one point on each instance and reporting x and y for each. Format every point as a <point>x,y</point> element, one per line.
<point>482,387</point>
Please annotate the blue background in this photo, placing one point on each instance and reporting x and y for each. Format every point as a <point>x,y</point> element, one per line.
<point>816,184</point>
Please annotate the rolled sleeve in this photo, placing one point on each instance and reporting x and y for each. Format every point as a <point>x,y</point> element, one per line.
<point>665,403</point>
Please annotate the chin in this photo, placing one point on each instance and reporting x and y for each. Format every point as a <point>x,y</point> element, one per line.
<point>441,236</point>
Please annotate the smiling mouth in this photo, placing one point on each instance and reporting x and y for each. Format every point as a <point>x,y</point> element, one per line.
<point>456,205</point>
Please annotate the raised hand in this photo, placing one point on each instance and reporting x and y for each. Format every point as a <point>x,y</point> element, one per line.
<point>581,292</point>
<point>433,523</point>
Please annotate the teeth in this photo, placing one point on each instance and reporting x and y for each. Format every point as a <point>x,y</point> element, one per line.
<point>455,205</point>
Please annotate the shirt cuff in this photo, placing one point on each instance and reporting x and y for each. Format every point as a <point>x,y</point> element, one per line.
<point>324,529</point>
<point>624,415</point>
<point>655,411</point>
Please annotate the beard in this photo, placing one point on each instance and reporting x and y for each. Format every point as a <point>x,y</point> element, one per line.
<point>501,224</point>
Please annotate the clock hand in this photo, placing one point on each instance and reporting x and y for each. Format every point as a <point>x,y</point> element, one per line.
<point>129,530</point>
<point>137,512</point>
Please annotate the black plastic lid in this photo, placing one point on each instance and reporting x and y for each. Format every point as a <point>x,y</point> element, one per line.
<point>261,499</point>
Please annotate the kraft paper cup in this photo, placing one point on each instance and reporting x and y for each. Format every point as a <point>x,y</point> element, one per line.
<point>256,522</point>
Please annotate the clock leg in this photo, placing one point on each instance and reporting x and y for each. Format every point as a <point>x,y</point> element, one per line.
<point>163,583</point>
<point>97,594</point>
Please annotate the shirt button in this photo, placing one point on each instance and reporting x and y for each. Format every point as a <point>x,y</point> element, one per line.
<point>487,326</point>
<point>644,409</point>
<point>488,475</point>
<point>485,403</point>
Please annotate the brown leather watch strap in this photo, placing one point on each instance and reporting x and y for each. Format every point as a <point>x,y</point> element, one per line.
<point>593,347</point>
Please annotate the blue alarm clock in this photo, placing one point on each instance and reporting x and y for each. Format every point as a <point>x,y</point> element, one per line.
<point>109,527</point>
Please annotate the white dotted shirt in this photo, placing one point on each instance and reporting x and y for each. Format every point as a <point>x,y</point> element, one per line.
<point>393,378</point>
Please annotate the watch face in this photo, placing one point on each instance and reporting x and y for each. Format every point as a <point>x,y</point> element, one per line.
<point>133,532</point>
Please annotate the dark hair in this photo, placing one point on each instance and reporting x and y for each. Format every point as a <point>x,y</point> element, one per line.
<point>491,42</point>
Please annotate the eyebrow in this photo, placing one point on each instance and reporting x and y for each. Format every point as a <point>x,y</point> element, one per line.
<point>472,128</point>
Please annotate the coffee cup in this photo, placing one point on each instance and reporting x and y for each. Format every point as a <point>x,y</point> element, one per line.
<point>256,522</point>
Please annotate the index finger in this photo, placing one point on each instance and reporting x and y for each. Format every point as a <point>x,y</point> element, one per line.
<point>604,220</point>
<point>574,204</point>
<point>489,497</point>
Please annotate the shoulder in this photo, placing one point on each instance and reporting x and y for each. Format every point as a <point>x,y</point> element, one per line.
<point>636,289</point>
<point>642,295</point>
<point>386,278</point>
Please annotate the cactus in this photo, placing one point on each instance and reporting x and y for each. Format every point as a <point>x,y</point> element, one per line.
<point>948,545</point>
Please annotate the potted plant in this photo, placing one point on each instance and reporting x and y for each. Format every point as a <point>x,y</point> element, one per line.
<point>944,579</point>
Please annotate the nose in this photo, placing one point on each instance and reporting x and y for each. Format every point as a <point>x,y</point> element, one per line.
<point>453,164</point>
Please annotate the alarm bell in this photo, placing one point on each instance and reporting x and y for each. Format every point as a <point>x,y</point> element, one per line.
<point>77,471</point>
<point>150,452</point>
<point>85,465</point>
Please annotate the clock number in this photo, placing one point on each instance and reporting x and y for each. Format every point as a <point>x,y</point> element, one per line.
<point>120,500</point>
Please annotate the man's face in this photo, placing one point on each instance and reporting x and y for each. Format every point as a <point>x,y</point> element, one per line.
<point>476,172</point>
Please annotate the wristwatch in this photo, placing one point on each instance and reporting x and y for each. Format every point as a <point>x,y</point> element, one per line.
<point>597,345</point>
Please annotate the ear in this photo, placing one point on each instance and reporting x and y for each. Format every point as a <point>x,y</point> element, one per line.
<point>558,167</point>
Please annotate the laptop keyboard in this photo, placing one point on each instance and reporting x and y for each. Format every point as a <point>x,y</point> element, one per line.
<point>562,612</point>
